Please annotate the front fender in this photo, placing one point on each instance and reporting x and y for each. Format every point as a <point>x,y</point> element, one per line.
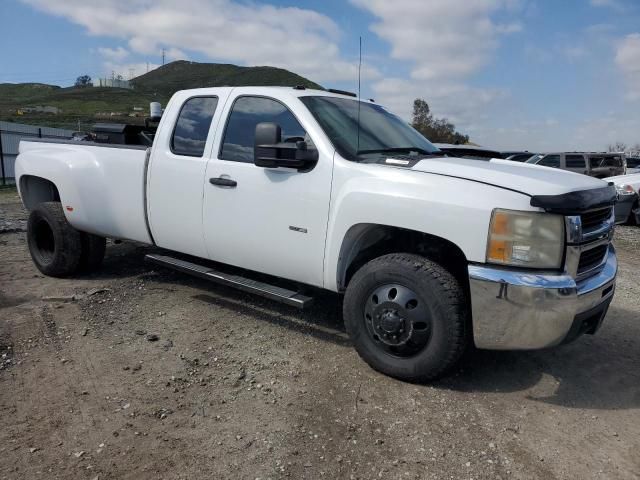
<point>454,209</point>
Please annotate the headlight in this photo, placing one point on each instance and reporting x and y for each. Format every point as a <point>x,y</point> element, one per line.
<point>624,189</point>
<point>528,239</point>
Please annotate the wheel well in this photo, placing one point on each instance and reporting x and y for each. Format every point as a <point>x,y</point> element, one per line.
<point>364,242</point>
<point>35,190</point>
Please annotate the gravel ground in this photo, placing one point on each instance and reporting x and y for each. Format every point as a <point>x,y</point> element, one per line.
<point>136,372</point>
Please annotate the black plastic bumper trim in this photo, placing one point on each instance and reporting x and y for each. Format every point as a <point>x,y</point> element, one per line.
<point>588,322</point>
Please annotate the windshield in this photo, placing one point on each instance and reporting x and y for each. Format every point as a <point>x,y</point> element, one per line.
<point>535,159</point>
<point>380,132</point>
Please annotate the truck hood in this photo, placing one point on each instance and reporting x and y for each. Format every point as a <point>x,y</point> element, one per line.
<point>522,177</point>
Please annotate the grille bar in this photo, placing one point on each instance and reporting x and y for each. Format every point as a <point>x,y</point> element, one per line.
<point>594,219</point>
<point>590,259</point>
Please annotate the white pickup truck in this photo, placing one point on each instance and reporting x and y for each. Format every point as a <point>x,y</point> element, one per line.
<point>325,190</point>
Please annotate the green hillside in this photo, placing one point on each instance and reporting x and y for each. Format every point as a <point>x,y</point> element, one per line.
<point>84,104</point>
<point>182,74</point>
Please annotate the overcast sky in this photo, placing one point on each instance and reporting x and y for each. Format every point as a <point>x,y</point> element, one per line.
<point>531,74</point>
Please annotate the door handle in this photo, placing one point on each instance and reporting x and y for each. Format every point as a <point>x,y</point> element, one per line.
<point>223,182</point>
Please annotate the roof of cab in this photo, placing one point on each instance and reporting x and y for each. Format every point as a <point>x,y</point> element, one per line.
<point>290,91</point>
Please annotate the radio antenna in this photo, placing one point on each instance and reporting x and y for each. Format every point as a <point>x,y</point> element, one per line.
<point>359,69</point>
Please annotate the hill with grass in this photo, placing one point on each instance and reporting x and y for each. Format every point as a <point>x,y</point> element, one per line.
<point>87,105</point>
<point>182,74</point>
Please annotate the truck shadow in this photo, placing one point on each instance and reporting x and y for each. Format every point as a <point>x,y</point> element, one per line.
<point>318,321</point>
<point>597,372</point>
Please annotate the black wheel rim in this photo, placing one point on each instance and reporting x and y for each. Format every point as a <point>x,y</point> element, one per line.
<point>397,320</point>
<point>45,244</point>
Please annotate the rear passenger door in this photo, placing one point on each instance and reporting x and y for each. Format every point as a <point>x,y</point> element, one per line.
<point>177,167</point>
<point>575,162</point>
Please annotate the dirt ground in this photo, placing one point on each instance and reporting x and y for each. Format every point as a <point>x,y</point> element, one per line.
<point>137,372</point>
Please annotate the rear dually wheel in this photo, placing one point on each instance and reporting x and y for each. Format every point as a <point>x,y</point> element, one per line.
<point>55,246</point>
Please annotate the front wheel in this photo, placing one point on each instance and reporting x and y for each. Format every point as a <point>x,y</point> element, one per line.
<point>407,317</point>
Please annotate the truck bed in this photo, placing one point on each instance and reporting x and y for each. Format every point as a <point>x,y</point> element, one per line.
<point>102,186</point>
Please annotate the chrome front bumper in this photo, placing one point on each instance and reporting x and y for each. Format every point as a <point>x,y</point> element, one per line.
<point>519,310</point>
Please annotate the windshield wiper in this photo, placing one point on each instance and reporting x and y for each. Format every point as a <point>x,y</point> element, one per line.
<point>418,150</point>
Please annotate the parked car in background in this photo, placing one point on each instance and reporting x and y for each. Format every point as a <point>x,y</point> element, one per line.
<point>518,156</point>
<point>599,165</point>
<point>627,209</point>
<point>468,151</point>
<point>633,165</point>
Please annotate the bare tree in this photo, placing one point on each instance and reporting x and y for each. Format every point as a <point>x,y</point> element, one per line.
<point>617,147</point>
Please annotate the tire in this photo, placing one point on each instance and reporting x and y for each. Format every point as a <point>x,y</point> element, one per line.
<point>55,246</point>
<point>419,331</point>
<point>92,254</point>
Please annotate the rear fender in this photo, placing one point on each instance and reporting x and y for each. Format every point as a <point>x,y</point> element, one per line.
<point>101,189</point>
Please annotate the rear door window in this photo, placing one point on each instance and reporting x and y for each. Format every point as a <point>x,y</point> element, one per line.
<point>550,161</point>
<point>575,161</point>
<point>596,161</point>
<point>192,126</point>
<point>613,161</point>
<point>599,161</point>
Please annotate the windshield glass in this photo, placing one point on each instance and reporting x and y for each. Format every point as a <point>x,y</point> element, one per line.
<point>380,132</point>
<point>535,159</point>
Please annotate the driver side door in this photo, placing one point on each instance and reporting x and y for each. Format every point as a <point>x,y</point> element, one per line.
<point>271,220</point>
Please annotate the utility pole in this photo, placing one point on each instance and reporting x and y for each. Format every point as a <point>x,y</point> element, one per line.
<point>4,178</point>
<point>163,50</point>
<point>131,72</point>
<point>147,67</point>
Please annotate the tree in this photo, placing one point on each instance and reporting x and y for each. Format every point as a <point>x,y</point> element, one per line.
<point>438,130</point>
<point>617,147</point>
<point>83,81</point>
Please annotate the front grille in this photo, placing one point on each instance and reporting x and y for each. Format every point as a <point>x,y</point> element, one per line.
<point>590,259</point>
<point>594,219</point>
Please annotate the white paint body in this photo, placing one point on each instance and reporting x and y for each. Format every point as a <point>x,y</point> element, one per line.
<point>249,226</point>
<point>103,186</point>
<point>633,180</point>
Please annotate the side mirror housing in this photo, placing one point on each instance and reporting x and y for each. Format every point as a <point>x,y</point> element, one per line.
<point>271,152</point>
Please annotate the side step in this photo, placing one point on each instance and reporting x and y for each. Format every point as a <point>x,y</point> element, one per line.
<point>272,292</point>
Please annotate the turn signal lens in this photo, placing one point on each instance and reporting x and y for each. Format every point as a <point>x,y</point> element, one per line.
<point>531,239</point>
